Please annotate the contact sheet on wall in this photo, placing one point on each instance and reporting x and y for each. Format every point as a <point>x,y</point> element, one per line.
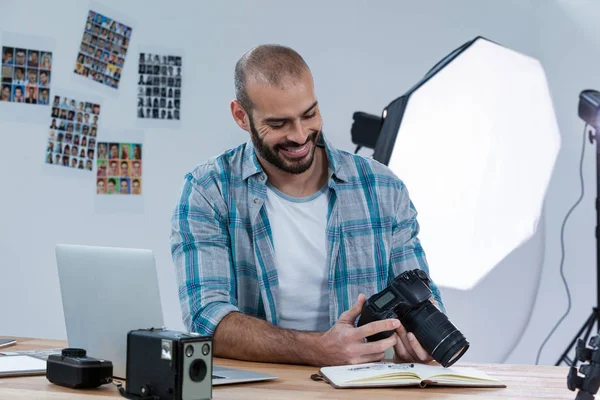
<point>103,50</point>
<point>73,126</point>
<point>25,77</point>
<point>160,83</point>
<point>119,172</point>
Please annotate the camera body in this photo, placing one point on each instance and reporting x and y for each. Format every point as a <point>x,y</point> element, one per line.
<point>408,290</point>
<point>74,369</point>
<point>408,298</point>
<point>169,364</point>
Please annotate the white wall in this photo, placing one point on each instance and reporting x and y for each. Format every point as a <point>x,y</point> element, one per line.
<point>363,55</point>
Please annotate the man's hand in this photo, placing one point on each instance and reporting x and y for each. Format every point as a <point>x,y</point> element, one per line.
<point>344,344</point>
<point>408,349</point>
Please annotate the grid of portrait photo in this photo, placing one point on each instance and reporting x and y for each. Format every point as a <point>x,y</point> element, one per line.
<point>119,168</point>
<point>159,86</point>
<point>73,131</point>
<point>103,50</point>
<point>25,75</point>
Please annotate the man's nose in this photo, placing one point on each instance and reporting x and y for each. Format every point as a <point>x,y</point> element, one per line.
<point>298,133</point>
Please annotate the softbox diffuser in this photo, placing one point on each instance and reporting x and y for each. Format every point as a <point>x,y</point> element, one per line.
<point>475,142</point>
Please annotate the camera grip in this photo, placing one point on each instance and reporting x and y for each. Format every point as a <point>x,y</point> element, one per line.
<point>368,316</point>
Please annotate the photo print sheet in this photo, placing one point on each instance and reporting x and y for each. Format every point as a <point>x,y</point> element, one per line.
<point>103,49</point>
<point>119,167</point>
<point>160,81</point>
<point>25,77</point>
<point>73,131</point>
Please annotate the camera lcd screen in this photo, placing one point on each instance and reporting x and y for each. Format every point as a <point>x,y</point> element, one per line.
<point>385,299</point>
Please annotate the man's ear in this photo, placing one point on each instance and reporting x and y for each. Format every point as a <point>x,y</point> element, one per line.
<point>240,115</point>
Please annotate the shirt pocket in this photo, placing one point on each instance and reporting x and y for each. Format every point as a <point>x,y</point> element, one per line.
<point>365,261</point>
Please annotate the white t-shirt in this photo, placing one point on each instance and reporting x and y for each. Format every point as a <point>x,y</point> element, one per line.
<point>299,229</point>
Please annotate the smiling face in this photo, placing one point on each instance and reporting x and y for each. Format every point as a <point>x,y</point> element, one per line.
<point>285,122</point>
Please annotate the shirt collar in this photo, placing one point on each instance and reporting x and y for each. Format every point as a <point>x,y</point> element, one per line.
<point>251,166</point>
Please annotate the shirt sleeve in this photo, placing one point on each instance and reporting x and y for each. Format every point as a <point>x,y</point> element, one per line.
<point>200,247</point>
<point>407,253</point>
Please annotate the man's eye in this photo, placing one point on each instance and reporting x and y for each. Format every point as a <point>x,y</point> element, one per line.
<point>309,116</point>
<point>276,126</point>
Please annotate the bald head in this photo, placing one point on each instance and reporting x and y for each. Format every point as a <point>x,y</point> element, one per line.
<point>270,64</point>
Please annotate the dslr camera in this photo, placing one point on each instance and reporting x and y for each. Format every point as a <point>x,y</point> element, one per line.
<point>408,299</point>
<point>74,369</point>
<point>163,364</point>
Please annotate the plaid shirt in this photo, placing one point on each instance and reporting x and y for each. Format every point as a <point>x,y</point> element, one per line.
<point>222,245</point>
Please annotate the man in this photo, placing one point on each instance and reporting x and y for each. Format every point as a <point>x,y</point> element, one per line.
<point>136,187</point>
<point>18,94</point>
<point>31,95</point>
<point>19,78</point>
<point>102,168</point>
<point>7,58</point>
<point>124,168</point>
<point>32,78</point>
<point>136,169</point>
<point>124,186</point>
<point>20,58</point>
<point>44,99</point>
<point>33,59</point>
<point>113,168</point>
<point>102,150</point>
<point>114,150</point>
<point>274,240</point>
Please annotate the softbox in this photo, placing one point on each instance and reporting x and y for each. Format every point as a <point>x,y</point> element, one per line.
<point>475,142</point>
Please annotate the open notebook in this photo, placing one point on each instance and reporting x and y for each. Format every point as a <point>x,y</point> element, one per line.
<point>390,374</point>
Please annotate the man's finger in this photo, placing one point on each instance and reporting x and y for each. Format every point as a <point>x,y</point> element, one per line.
<point>418,349</point>
<point>350,315</point>
<point>401,354</point>
<point>401,331</point>
<point>380,345</point>
<point>376,327</point>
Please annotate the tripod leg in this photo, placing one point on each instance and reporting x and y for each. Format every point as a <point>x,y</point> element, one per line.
<point>590,326</point>
<point>589,323</point>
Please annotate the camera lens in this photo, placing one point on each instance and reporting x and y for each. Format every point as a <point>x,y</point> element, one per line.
<point>205,349</point>
<point>189,350</point>
<point>438,336</point>
<point>198,370</point>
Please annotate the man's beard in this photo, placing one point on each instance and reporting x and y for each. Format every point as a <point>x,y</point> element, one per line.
<point>272,154</point>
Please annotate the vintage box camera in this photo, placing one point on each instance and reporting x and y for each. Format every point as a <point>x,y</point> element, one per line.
<point>408,299</point>
<point>169,365</point>
<point>74,369</point>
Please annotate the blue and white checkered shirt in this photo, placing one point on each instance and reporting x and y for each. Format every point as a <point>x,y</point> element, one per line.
<point>222,244</point>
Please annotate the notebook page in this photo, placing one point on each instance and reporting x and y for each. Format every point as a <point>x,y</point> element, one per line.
<point>369,372</point>
<point>459,374</point>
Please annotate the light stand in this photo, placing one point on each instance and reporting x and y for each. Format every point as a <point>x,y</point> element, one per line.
<point>589,111</point>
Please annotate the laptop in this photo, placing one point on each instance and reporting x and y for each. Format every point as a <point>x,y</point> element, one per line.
<point>107,292</point>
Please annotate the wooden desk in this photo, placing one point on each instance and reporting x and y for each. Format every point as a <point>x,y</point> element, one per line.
<point>523,382</point>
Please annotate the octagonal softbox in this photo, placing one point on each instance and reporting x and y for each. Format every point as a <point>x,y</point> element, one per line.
<point>475,142</point>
